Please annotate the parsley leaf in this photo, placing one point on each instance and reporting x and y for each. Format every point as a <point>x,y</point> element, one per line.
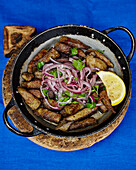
<point>100,51</point>
<point>64,99</point>
<point>81,95</point>
<point>67,93</point>
<point>74,51</point>
<point>74,95</point>
<point>96,98</point>
<point>78,64</point>
<point>45,92</point>
<point>60,73</point>
<point>40,64</point>
<point>75,78</point>
<point>54,73</point>
<point>75,102</point>
<point>95,88</point>
<point>91,105</point>
<point>66,81</point>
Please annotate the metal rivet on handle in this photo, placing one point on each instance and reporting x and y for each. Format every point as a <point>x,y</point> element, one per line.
<point>123,68</point>
<point>92,35</point>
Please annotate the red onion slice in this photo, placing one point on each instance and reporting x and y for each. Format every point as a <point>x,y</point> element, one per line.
<point>54,61</point>
<point>99,104</point>
<point>92,98</point>
<point>67,102</point>
<point>82,85</point>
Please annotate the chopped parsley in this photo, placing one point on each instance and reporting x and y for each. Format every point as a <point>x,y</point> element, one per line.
<point>74,51</point>
<point>95,88</point>
<point>74,95</point>
<point>81,95</point>
<point>45,92</point>
<point>91,105</point>
<point>67,93</point>
<point>40,65</point>
<point>54,73</point>
<point>64,99</point>
<point>78,64</point>
<point>75,78</point>
<point>75,102</point>
<point>100,51</point>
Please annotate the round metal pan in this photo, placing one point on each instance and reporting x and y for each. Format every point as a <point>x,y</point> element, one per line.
<point>90,36</point>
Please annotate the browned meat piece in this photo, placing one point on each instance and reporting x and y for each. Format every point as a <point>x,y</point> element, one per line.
<point>24,84</point>
<point>101,56</point>
<point>81,53</point>
<point>27,76</point>
<point>94,94</point>
<point>32,66</point>
<point>73,42</point>
<point>63,113</point>
<point>51,94</point>
<point>103,94</point>
<point>51,53</point>
<point>36,93</point>
<point>102,107</point>
<point>63,125</point>
<point>83,123</point>
<point>34,84</point>
<point>51,102</point>
<point>62,48</point>
<point>106,101</point>
<point>93,62</point>
<point>70,109</point>
<point>30,100</point>
<point>81,114</point>
<point>38,74</point>
<point>88,51</point>
<point>48,115</point>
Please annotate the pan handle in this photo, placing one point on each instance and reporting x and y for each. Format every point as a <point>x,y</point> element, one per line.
<point>12,129</point>
<point>130,55</point>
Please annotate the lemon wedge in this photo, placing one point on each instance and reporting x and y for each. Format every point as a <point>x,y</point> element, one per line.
<point>116,89</point>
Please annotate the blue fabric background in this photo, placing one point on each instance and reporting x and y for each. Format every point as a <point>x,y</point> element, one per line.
<point>118,151</point>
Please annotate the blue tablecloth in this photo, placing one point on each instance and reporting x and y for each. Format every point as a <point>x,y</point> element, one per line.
<point>117,151</point>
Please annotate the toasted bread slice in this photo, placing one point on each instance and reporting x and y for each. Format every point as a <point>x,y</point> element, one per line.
<point>15,37</point>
